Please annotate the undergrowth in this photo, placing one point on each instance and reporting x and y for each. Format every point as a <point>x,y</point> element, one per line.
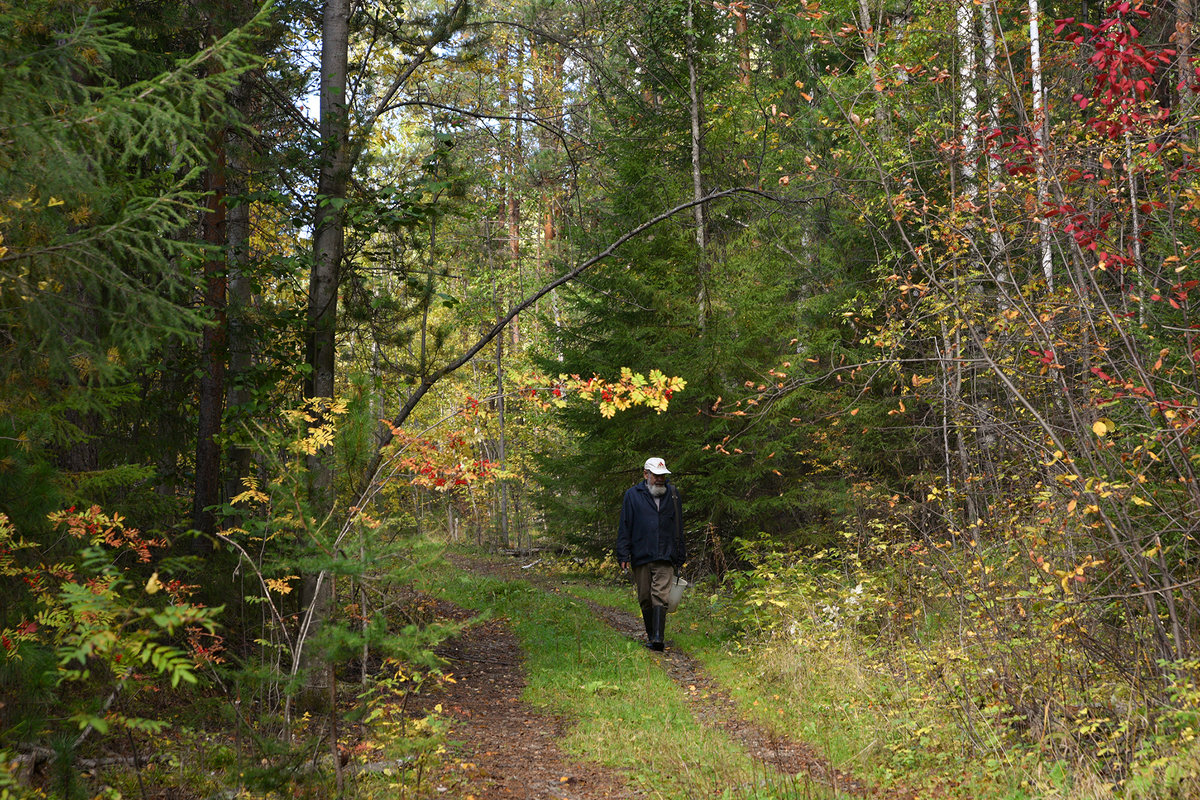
<point>950,669</point>
<point>957,669</point>
<point>983,687</point>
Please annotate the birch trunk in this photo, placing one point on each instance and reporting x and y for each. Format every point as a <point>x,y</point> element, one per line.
<point>968,99</point>
<point>515,162</point>
<point>870,39</point>
<point>1136,221</point>
<point>1038,124</point>
<point>991,71</point>
<point>696,116</point>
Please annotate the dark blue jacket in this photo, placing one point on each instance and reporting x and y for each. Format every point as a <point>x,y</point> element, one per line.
<point>646,533</point>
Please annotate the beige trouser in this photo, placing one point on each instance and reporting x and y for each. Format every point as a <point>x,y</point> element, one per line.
<point>653,582</point>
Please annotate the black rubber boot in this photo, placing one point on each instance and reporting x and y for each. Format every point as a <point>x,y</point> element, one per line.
<point>647,620</point>
<point>658,624</point>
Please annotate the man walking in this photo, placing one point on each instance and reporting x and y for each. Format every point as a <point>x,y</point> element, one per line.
<point>650,540</point>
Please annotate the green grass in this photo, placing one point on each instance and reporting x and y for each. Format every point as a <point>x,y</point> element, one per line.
<point>866,723</point>
<point>623,710</point>
<point>621,597</point>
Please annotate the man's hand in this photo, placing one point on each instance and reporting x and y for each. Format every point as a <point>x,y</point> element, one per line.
<point>624,565</point>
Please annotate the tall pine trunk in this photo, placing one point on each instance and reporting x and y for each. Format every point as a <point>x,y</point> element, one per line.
<point>211,395</point>
<point>239,302</point>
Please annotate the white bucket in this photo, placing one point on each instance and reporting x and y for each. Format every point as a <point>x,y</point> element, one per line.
<point>678,584</point>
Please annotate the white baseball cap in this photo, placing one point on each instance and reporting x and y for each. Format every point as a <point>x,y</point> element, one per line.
<point>657,466</point>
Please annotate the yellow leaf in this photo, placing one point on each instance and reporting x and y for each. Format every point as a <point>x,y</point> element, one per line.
<point>250,496</point>
<point>280,585</point>
<point>1099,428</point>
<point>1137,501</point>
<point>153,585</point>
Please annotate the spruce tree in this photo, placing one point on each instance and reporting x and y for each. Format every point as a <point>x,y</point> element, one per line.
<point>751,313</point>
<point>97,170</point>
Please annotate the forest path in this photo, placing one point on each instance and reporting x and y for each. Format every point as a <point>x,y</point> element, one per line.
<point>500,746</point>
<point>507,749</point>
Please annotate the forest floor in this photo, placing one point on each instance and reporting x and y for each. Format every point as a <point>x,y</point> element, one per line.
<point>501,747</point>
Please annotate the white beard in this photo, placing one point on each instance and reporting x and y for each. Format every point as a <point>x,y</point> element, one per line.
<point>657,490</point>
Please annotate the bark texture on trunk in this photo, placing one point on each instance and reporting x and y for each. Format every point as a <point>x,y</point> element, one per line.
<point>993,84</point>
<point>1185,112</point>
<point>329,238</point>
<point>698,211</point>
<point>329,222</point>
<point>516,161</point>
<point>1038,124</point>
<point>211,396</point>
<point>240,300</point>
<point>870,39</point>
<point>968,99</point>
